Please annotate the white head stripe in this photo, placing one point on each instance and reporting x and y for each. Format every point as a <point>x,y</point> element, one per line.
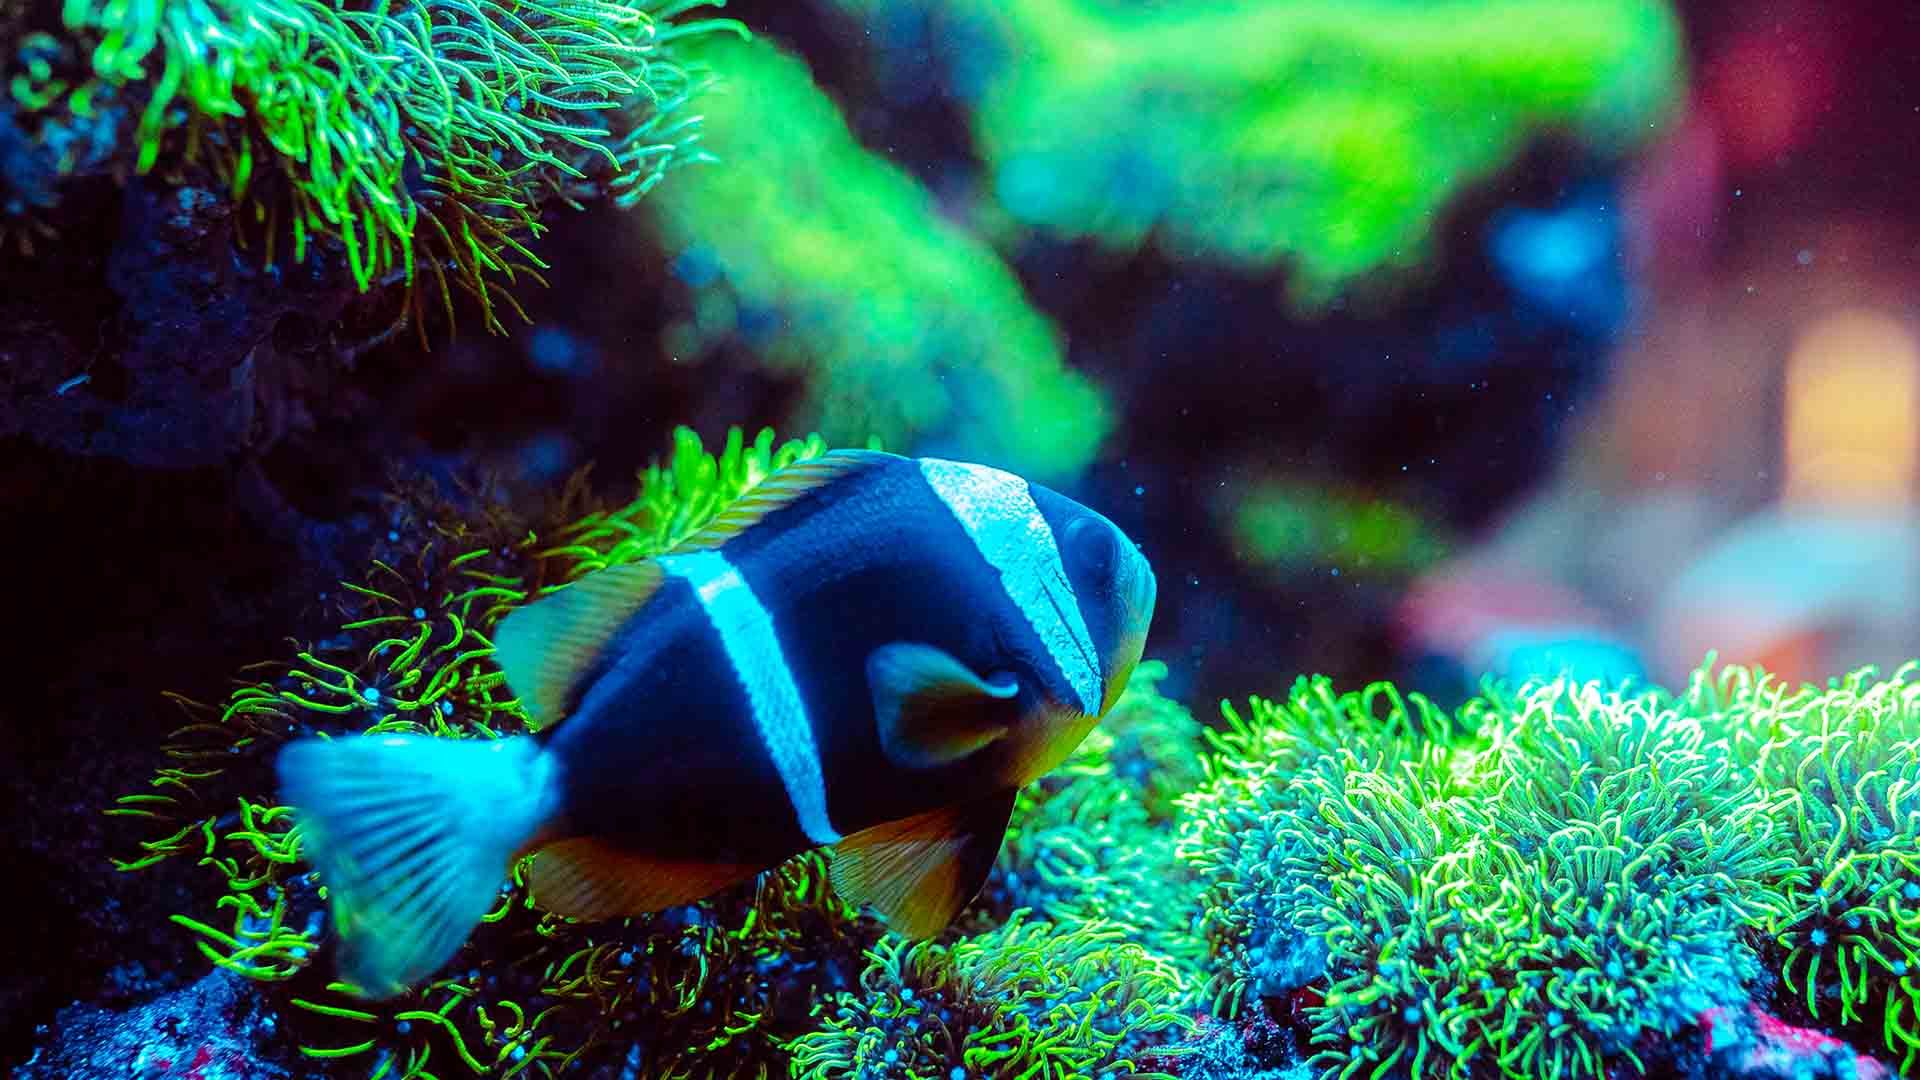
<point>997,511</point>
<point>747,634</point>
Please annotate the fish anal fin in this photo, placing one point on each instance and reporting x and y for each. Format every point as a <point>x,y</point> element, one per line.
<point>934,710</point>
<point>586,879</point>
<point>920,871</point>
<point>779,489</point>
<point>545,647</point>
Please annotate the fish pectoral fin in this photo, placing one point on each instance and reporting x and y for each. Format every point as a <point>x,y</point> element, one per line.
<point>545,647</point>
<point>920,871</point>
<point>588,880</point>
<point>932,709</point>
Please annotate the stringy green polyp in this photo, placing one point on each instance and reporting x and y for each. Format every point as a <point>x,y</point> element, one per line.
<point>426,133</point>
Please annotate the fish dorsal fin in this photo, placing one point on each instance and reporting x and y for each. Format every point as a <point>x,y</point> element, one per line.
<point>545,647</point>
<point>779,489</point>
<point>932,709</point>
<point>585,879</point>
<point>920,871</point>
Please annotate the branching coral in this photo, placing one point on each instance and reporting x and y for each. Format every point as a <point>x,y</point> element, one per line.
<point>832,264</point>
<point>1028,999</point>
<point>423,138</point>
<point>712,988</point>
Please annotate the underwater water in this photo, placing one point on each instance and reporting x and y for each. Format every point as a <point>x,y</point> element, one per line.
<point>960,539</point>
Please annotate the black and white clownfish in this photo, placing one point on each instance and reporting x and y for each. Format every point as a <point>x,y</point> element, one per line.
<point>866,651</point>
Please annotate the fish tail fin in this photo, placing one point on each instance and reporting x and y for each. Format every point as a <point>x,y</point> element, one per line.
<point>412,836</point>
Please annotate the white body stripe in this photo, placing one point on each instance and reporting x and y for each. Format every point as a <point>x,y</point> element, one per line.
<point>998,513</point>
<point>747,634</point>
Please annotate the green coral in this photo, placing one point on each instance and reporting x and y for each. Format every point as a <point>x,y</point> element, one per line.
<point>829,263</point>
<point>1291,527</point>
<point>419,138</point>
<point>1246,832</point>
<point>713,988</point>
<point>1527,890</point>
<point>1094,839</point>
<point>1330,136</point>
<point>1844,761</point>
<point>1027,999</point>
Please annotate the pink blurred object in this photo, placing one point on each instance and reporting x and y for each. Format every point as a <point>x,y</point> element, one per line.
<point>1458,607</point>
<point>1759,1044</point>
<point>1806,592</point>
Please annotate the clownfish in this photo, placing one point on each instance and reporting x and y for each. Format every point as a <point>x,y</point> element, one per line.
<point>865,651</point>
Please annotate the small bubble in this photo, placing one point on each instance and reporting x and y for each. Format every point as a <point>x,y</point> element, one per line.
<point>419,613</point>
<point>371,694</point>
<point>1140,489</point>
<point>446,708</point>
<point>403,1027</point>
<point>393,536</point>
<point>1805,257</point>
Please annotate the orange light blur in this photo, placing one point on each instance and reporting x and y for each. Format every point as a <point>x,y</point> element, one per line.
<point>1852,403</point>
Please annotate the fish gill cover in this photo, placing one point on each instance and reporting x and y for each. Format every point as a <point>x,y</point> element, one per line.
<point>1555,880</point>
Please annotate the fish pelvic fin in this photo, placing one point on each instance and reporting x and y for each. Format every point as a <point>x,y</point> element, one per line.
<point>412,836</point>
<point>586,879</point>
<point>920,871</point>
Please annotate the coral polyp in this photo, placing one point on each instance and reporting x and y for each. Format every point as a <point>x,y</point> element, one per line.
<point>418,140</point>
<point>1027,999</point>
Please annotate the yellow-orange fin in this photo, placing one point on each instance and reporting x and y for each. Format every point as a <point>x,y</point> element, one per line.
<point>934,710</point>
<point>546,646</point>
<point>1066,728</point>
<point>779,489</point>
<point>920,871</point>
<point>585,879</point>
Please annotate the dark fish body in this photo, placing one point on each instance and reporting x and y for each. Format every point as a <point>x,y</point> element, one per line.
<point>672,762</point>
<point>866,651</point>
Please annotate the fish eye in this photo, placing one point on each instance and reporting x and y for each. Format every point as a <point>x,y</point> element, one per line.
<point>1090,544</point>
